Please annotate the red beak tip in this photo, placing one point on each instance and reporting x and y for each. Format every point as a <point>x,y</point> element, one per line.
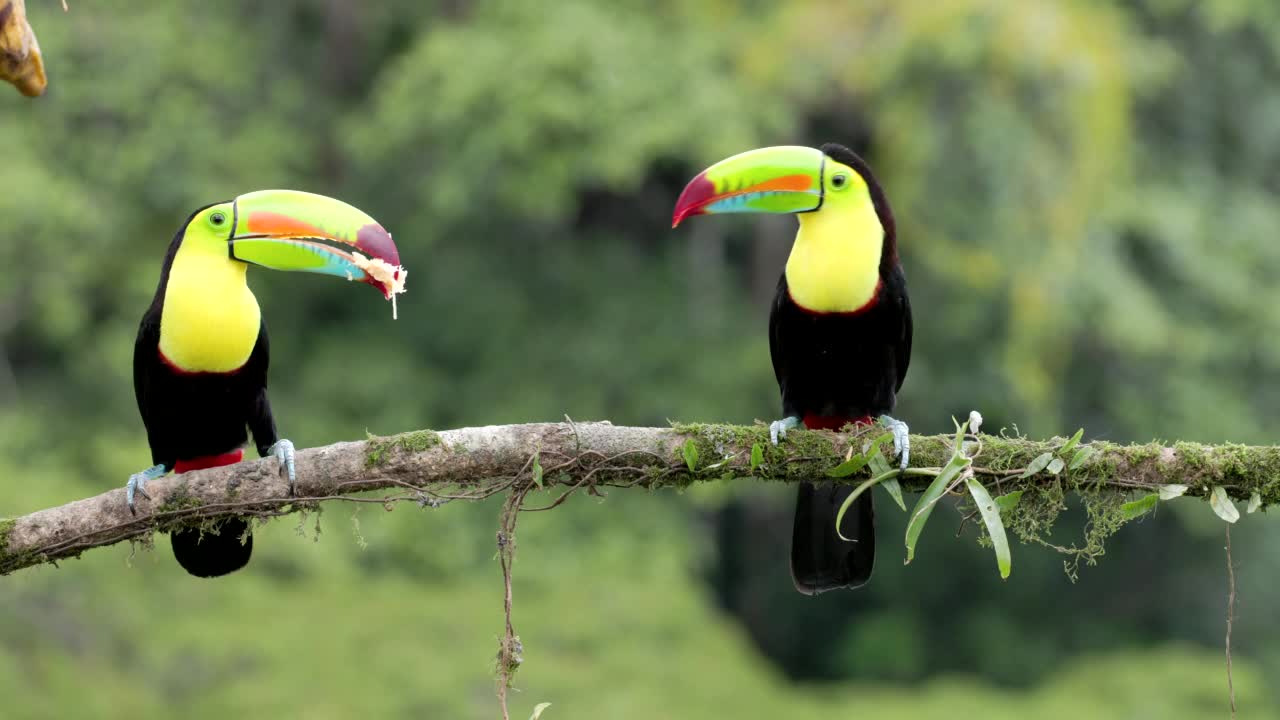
<point>698,193</point>
<point>381,286</point>
<point>684,213</point>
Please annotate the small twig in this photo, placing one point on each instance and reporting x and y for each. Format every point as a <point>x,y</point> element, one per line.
<point>576,436</point>
<point>559,500</point>
<point>1231,605</point>
<point>964,520</point>
<point>998,473</point>
<point>921,471</point>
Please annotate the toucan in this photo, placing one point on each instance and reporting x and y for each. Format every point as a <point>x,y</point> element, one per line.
<point>200,360</point>
<point>839,328</point>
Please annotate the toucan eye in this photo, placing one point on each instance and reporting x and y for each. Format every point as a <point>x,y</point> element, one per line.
<point>839,180</point>
<point>217,219</point>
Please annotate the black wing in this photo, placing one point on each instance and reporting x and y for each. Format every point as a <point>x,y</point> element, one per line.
<point>254,373</point>
<point>776,350</point>
<point>903,349</point>
<point>147,374</point>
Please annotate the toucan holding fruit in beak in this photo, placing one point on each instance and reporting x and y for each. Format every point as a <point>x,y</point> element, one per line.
<point>200,361</point>
<point>839,330</point>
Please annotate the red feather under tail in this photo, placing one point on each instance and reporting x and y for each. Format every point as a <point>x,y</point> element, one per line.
<point>208,461</point>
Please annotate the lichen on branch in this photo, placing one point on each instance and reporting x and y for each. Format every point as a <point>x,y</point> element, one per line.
<point>427,467</point>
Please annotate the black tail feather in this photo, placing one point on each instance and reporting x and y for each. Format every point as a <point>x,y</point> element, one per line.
<point>209,555</point>
<point>820,560</point>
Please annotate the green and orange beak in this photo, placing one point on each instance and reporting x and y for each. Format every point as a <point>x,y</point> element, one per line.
<point>301,232</point>
<point>780,179</point>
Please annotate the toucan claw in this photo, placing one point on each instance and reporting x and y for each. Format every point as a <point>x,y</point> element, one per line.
<point>779,428</point>
<point>138,484</point>
<point>284,452</point>
<point>901,438</point>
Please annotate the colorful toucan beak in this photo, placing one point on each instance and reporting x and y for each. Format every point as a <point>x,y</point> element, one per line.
<point>289,230</point>
<point>781,179</point>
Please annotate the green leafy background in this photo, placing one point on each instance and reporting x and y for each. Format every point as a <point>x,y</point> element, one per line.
<point>1087,212</point>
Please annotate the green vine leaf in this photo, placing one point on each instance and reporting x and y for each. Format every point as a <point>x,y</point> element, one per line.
<point>848,502</point>
<point>1055,466</point>
<point>931,496</point>
<point>537,710</point>
<point>757,456</point>
<point>1222,505</point>
<point>1255,502</point>
<point>537,470</point>
<point>690,453</point>
<point>1081,457</point>
<point>940,484</point>
<point>1009,501</point>
<point>1139,507</point>
<point>879,465</point>
<point>848,467</point>
<point>875,460</point>
<point>1169,492</point>
<point>1040,463</point>
<point>874,447</point>
<point>995,526</point>
<point>1071,444</point>
<point>895,491</point>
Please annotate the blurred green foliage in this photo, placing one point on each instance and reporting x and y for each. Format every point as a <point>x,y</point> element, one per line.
<point>1086,203</point>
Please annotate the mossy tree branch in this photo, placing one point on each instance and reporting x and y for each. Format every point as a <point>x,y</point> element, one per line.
<point>472,463</point>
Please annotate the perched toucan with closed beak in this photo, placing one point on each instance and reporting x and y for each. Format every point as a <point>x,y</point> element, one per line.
<point>839,330</point>
<point>200,361</point>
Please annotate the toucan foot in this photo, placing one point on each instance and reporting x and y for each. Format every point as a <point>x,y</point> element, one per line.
<point>779,428</point>
<point>901,438</point>
<point>283,450</point>
<point>138,484</point>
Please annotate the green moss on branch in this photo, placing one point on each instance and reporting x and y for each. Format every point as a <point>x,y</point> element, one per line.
<point>9,558</point>
<point>378,449</point>
<point>803,454</point>
<point>6,527</point>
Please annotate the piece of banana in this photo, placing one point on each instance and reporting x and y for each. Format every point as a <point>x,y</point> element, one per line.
<point>20,61</point>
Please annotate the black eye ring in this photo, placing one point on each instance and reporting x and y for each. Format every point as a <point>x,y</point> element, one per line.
<point>838,181</point>
<point>217,218</point>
